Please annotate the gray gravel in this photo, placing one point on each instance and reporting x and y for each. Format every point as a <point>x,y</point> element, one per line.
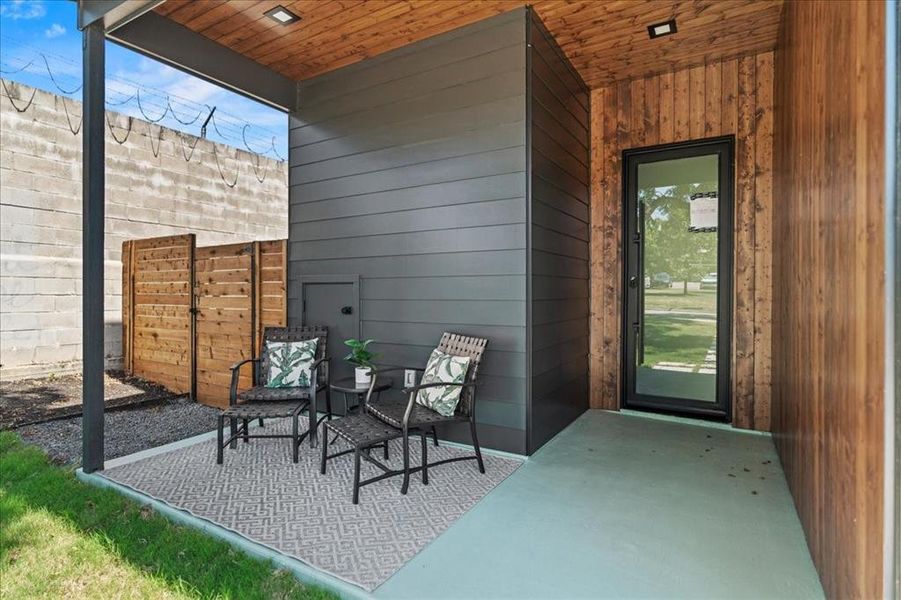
<point>127,430</point>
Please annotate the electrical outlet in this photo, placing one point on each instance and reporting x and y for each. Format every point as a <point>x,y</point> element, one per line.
<point>409,378</point>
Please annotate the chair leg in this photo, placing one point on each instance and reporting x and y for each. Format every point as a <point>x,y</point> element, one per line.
<point>435,436</point>
<point>356,475</point>
<point>475,443</point>
<point>246,434</point>
<point>328,402</point>
<point>423,437</point>
<point>324,452</point>
<point>406,484</point>
<point>219,439</point>
<point>311,409</point>
<point>233,427</point>
<point>295,436</point>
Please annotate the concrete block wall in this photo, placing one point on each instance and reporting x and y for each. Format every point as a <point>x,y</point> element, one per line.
<point>151,190</point>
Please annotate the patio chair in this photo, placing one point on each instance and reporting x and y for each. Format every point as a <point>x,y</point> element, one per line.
<point>393,418</point>
<point>262,402</point>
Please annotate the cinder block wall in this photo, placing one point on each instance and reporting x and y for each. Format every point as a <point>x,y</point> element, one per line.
<point>151,190</point>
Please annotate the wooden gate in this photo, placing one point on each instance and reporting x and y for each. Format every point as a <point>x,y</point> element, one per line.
<point>190,313</point>
<point>156,310</point>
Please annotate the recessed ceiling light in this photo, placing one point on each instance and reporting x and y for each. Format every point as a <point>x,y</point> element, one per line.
<point>281,15</point>
<point>661,29</point>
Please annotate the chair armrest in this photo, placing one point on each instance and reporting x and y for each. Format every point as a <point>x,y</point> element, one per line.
<point>414,391</point>
<point>236,371</point>
<point>381,369</point>
<point>319,361</point>
<point>314,368</point>
<point>240,364</point>
<point>378,370</point>
<point>425,386</point>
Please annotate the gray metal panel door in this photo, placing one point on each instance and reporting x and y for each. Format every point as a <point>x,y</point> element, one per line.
<point>335,305</point>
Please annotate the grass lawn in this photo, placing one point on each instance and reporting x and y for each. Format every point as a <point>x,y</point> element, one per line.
<point>674,299</point>
<point>675,339</point>
<point>60,538</point>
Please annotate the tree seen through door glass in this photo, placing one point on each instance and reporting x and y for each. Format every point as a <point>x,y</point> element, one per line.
<point>677,214</point>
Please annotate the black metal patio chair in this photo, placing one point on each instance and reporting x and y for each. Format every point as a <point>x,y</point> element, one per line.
<point>393,418</point>
<point>262,402</point>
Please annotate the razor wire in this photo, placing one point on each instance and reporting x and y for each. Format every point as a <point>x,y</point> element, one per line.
<point>219,167</point>
<point>77,128</point>
<point>113,133</point>
<point>226,126</point>
<point>159,139</point>
<point>184,153</point>
<point>231,130</point>
<point>10,96</point>
<point>254,162</point>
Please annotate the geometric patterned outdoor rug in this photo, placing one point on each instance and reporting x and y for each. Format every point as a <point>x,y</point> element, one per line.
<point>260,494</point>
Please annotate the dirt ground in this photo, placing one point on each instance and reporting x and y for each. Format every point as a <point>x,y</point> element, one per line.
<point>30,401</point>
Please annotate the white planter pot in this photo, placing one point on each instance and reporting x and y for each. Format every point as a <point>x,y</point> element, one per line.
<point>363,376</point>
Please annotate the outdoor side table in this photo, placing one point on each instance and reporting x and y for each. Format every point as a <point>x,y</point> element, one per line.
<point>348,386</point>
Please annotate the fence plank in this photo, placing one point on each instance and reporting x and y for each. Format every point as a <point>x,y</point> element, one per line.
<point>127,305</point>
<point>222,273</point>
<point>271,298</point>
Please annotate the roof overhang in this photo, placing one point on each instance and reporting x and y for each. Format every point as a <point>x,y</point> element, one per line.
<point>114,13</point>
<point>176,45</point>
<point>133,24</point>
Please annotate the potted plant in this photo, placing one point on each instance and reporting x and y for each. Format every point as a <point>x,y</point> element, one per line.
<point>362,358</point>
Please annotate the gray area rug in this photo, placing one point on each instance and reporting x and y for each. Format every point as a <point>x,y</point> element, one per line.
<point>262,495</point>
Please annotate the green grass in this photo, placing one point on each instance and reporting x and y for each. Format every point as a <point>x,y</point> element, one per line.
<point>60,538</point>
<point>674,299</point>
<point>674,339</point>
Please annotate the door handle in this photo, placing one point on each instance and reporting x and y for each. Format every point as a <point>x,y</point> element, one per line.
<point>633,282</point>
<point>347,310</point>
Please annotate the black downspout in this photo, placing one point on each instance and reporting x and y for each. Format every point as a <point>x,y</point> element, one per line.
<point>93,179</point>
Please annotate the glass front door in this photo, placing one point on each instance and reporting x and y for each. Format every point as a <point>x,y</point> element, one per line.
<point>678,277</point>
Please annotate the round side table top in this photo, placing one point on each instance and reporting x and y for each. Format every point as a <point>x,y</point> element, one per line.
<point>348,385</point>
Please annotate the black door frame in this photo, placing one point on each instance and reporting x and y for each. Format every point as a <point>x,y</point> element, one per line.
<point>725,147</point>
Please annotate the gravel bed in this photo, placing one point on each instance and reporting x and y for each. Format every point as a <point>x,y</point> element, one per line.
<point>126,431</point>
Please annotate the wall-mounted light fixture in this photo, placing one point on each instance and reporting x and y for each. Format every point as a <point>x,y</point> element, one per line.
<point>661,29</point>
<point>282,15</point>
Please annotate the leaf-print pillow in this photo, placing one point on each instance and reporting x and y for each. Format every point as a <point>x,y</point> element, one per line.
<point>290,362</point>
<point>443,368</point>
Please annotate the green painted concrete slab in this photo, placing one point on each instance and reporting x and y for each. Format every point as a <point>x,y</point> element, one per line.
<point>626,506</point>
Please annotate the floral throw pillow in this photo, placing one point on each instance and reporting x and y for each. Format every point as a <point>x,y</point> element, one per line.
<point>290,362</point>
<point>443,368</point>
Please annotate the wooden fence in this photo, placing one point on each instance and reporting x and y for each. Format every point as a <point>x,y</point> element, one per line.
<point>189,313</point>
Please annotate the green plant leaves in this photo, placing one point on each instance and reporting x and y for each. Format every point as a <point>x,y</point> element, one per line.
<point>359,354</point>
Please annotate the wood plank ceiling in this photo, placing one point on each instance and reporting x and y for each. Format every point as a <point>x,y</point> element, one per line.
<point>606,41</point>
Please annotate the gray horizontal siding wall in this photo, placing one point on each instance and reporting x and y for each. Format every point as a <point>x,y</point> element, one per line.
<point>409,170</point>
<point>559,201</point>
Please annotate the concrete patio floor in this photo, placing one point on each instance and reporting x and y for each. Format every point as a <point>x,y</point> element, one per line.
<point>622,505</point>
<point>626,505</point>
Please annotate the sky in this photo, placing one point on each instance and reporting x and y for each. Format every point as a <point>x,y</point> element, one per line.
<point>40,45</point>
